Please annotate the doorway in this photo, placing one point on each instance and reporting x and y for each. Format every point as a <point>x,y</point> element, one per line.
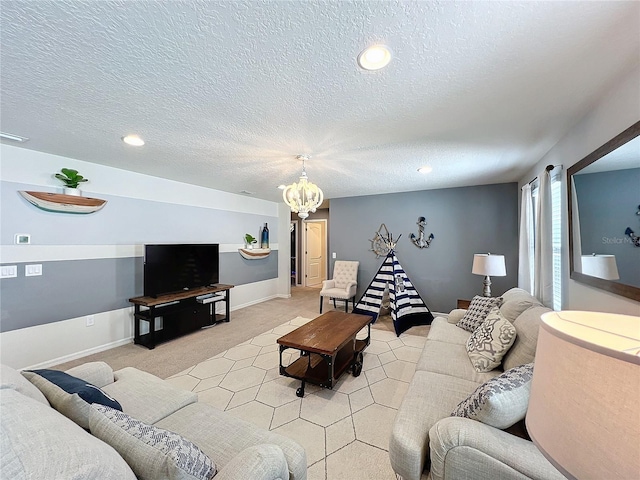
<point>315,252</point>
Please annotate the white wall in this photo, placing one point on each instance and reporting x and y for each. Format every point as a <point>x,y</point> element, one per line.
<point>613,113</point>
<point>45,345</point>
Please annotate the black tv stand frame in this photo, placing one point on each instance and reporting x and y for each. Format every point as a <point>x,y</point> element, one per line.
<point>182,313</point>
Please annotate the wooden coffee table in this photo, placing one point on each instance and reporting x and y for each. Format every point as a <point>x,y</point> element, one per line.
<point>328,346</point>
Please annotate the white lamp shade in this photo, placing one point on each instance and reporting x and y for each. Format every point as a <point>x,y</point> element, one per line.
<point>601,266</point>
<point>487,264</point>
<point>584,407</point>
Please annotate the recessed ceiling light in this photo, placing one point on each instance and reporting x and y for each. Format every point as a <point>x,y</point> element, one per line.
<point>133,140</point>
<point>374,57</point>
<point>282,187</point>
<point>425,169</point>
<point>11,136</point>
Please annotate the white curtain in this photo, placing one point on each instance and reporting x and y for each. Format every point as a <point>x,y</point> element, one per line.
<point>575,226</point>
<point>543,252</point>
<point>525,255</point>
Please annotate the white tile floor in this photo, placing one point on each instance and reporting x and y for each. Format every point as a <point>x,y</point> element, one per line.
<point>345,431</point>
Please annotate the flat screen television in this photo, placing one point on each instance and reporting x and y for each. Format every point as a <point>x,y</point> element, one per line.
<point>172,268</point>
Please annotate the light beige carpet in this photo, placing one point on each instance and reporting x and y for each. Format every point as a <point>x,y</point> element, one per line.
<point>345,431</point>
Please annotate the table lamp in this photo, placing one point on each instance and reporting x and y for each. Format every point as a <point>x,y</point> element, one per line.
<point>488,265</point>
<point>584,406</point>
<point>601,266</point>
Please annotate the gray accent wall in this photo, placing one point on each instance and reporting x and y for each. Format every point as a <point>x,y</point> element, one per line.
<point>236,270</point>
<point>69,289</point>
<point>607,204</point>
<point>73,288</point>
<point>464,221</point>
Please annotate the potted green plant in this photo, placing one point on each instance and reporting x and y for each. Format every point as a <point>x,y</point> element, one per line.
<point>71,179</point>
<point>249,240</point>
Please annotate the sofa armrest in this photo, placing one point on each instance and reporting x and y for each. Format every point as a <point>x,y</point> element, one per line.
<point>96,373</point>
<point>260,462</point>
<point>456,315</point>
<point>464,448</point>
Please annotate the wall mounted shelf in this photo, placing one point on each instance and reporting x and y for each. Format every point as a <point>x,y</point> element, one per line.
<point>56,202</point>
<point>255,253</point>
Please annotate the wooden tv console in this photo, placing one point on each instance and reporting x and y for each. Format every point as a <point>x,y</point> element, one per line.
<point>181,312</point>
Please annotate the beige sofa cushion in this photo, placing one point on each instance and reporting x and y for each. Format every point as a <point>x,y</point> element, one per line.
<point>12,379</point>
<point>456,315</point>
<point>145,396</point>
<point>442,330</point>
<point>39,443</point>
<point>523,350</point>
<point>96,373</point>
<point>430,397</point>
<point>238,435</point>
<point>452,360</point>
<point>516,301</point>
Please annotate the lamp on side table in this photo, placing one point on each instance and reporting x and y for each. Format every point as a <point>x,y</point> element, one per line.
<point>489,266</point>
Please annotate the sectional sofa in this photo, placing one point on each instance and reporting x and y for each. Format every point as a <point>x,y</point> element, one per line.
<point>161,432</point>
<point>426,437</point>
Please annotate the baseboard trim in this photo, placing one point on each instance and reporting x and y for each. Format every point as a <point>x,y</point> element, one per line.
<point>253,302</point>
<point>83,353</point>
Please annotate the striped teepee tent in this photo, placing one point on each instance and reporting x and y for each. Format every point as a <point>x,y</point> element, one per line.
<point>407,307</point>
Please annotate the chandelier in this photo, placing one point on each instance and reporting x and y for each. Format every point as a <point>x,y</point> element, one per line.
<point>303,197</point>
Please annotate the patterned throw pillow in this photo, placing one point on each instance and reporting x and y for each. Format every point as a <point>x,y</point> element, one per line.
<point>69,395</point>
<point>490,341</point>
<point>477,312</point>
<point>151,452</point>
<point>502,401</point>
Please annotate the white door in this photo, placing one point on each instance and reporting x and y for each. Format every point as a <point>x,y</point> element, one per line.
<point>315,253</point>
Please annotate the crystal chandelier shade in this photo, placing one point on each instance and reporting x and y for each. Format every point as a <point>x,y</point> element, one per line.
<point>303,197</point>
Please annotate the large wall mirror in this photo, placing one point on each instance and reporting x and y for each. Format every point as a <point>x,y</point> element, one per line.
<point>604,216</point>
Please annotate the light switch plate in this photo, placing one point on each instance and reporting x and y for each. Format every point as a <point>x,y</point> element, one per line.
<point>8,271</point>
<point>33,270</point>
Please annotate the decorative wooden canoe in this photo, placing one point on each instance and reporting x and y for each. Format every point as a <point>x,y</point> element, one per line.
<point>57,202</point>
<point>254,254</point>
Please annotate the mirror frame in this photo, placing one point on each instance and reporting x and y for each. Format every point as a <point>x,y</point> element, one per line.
<point>628,291</point>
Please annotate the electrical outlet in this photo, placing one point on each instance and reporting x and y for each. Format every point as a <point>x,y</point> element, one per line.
<point>8,271</point>
<point>334,255</point>
<point>90,321</point>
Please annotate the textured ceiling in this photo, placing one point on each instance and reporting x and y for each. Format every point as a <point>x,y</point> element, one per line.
<point>226,94</point>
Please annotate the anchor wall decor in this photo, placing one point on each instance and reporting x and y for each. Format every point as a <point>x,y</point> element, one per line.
<point>420,241</point>
<point>635,239</point>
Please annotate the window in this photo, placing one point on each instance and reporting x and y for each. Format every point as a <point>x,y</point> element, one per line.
<point>556,233</point>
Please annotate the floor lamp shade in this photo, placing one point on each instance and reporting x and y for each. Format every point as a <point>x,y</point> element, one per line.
<point>584,408</point>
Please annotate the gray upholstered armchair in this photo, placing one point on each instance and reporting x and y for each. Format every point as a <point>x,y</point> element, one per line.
<point>343,285</point>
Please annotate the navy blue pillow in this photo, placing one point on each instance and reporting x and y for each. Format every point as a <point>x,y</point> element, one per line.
<point>70,384</point>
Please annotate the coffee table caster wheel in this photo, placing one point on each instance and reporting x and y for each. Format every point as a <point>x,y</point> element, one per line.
<point>357,364</point>
<point>300,392</point>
